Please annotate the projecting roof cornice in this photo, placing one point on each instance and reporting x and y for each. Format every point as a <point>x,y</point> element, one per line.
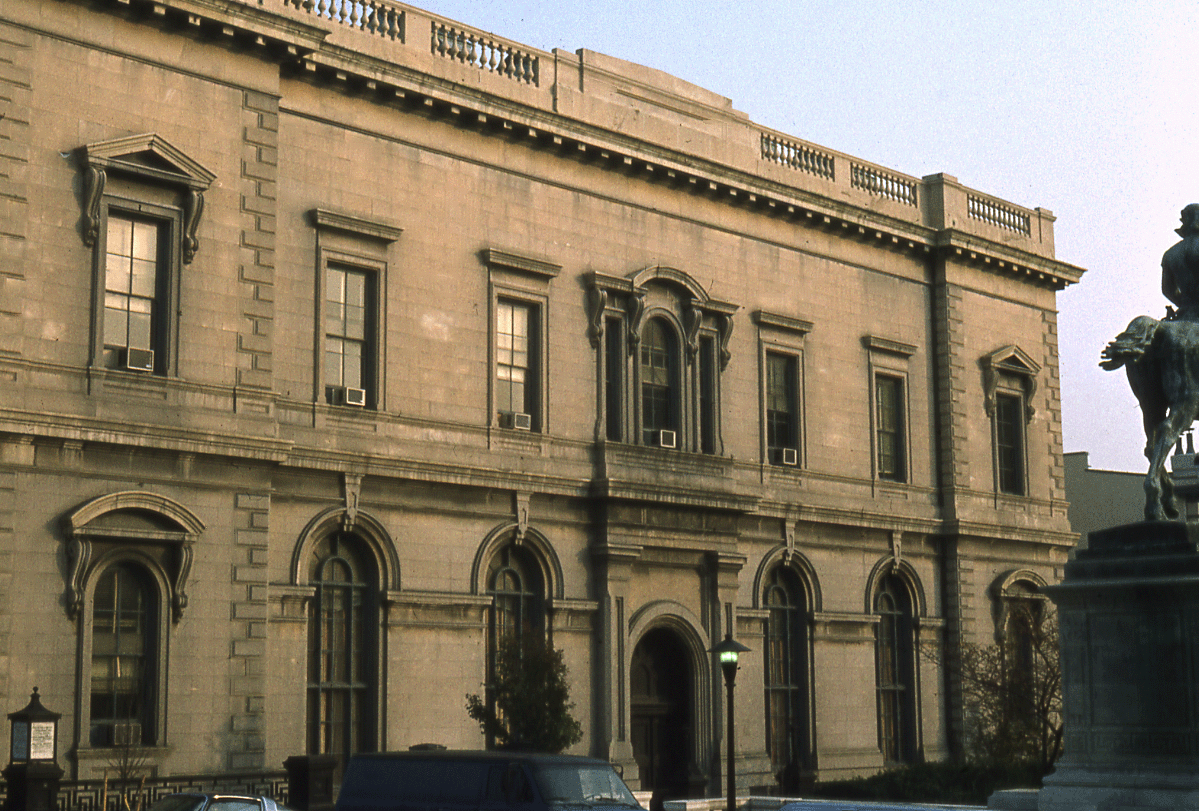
<point>622,117</point>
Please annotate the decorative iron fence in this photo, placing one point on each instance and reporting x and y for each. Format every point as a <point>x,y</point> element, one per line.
<point>136,795</point>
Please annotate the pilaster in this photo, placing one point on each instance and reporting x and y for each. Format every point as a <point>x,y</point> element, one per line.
<point>248,632</point>
<point>15,61</point>
<point>259,181</point>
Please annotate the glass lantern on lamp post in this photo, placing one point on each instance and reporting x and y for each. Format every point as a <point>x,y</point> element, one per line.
<point>729,651</point>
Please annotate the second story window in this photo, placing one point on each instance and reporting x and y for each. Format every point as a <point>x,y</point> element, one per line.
<point>659,386</point>
<point>516,354</point>
<point>143,200</point>
<point>661,345</point>
<point>134,289</point>
<point>1009,443</point>
<point>889,428</point>
<point>782,409</point>
<point>349,336</point>
<point>351,272</point>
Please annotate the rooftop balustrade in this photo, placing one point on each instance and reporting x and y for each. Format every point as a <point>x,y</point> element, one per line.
<point>586,97</point>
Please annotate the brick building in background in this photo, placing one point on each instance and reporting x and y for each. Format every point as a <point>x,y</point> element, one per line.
<point>338,341</point>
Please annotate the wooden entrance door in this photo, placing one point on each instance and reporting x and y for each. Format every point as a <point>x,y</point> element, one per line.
<point>660,682</point>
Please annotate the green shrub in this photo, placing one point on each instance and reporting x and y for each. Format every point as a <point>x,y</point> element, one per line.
<point>945,782</point>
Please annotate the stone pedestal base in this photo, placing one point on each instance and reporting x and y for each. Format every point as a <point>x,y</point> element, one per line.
<point>1083,789</point>
<point>1129,616</point>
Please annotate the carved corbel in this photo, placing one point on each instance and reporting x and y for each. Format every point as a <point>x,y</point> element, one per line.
<point>520,504</point>
<point>693,319</point>
<point>179,598</point>
<point>193,207</point>
<point>725,325</point>
<point>351,486</point>
<point>636,310</point>
<point>81,555</point>
<point>789,532</point>
<point>94,182</point>
<point>896,539</point>
<point>597,302</point>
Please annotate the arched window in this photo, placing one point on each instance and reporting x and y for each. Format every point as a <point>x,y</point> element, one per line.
<point>1023,640</point>
<point>895,670</point>
<point>517,590</point>
<point>342,648</point>
<point>787,662</point>
<point>128,576</point>
<point>659,384</point>
<point>124,647</point>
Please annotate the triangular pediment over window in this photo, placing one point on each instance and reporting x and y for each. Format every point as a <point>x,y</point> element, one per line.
<point>148,156</point>
<point>1013,361</point>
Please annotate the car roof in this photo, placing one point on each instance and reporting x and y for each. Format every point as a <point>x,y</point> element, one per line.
<point>479,754</point>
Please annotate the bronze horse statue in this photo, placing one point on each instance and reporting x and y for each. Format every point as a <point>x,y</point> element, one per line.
<point>1161,359</point>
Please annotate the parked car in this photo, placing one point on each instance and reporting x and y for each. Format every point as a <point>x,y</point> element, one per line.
<point>208,801</point>
<point>481,781</point>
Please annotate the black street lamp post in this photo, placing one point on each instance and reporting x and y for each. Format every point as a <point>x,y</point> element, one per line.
<point>729,650</point>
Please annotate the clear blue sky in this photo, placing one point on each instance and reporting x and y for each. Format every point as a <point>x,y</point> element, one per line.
<point>1085,108</point>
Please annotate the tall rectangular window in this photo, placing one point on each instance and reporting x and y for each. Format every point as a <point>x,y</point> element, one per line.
<point>1009,443</point>
<point>614,371</point>
<point>707,395</point>
<point>515,364</point>
<point>782,409</point>
<point>133,289</point>
<point>349,336</point>
<point>889,428</point>
<point>122,702</point>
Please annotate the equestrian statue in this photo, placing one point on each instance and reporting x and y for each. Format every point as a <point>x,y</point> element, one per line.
<point>1161,359</point>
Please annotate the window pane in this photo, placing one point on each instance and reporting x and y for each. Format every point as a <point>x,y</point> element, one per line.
<point>145,242</point>
<point>1009,437</point>
<point>513,359</point>
<point>122,646</point>
<point>889,438</point>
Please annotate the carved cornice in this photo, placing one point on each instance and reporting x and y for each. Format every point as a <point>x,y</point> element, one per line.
<point>877,344</point>
<point>372,229</point>
<point>524,264</point>
<point>782,322</point>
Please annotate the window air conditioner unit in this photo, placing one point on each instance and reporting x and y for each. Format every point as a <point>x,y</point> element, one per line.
<point>516,419</point>
<point>790,456</point>
<point>355,397</point>
<point>138,360</point>
<point>127,734</point>
<point>667,439</point>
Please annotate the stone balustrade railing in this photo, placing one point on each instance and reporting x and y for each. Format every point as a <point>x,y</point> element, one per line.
<point>370,16</point>
<point>798,155</point>
<point>612,107</point>
<point>485,52</point>
<point>893,186</point>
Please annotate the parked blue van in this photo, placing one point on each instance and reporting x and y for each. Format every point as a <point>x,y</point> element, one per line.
<point>448,780</point>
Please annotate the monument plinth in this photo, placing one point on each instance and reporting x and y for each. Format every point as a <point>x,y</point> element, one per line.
<point>1128,609</point>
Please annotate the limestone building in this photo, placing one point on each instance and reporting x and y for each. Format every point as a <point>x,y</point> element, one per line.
<point>338,340</point>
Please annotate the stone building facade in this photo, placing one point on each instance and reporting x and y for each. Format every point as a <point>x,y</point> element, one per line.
<point>339,340</point>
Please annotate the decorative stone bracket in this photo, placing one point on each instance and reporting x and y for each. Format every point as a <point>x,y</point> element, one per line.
<point>1012,361</point>
<point>632,290</point>
<point>148,159</point>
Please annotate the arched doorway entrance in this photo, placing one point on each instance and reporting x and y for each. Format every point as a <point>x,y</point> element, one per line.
<point>660,683</point>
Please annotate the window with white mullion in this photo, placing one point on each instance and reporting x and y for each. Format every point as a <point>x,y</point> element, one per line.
<point>347,330</point>
<point>131,287</point>
<point>513,359</point>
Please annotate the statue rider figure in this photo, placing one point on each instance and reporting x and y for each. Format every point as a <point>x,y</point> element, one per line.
<point>1180,268</point>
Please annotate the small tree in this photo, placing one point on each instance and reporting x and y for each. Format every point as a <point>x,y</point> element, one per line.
<point>529,707</point>
<point>1011,695</point>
